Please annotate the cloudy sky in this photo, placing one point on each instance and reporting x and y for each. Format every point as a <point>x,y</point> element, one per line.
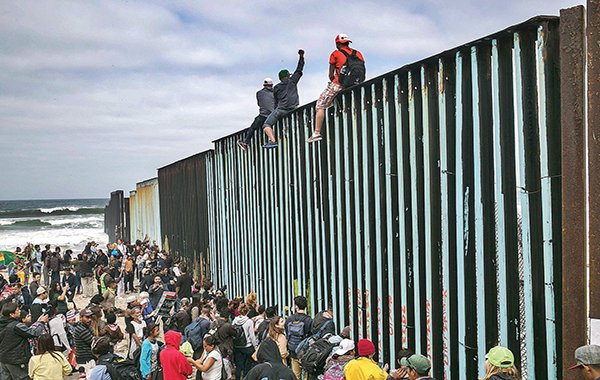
<point>96,95</point>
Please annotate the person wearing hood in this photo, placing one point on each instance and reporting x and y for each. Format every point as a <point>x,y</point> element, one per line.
<point>270,365</point>
<point>243,355</point>
<point>15,350</point>
<point>174,364</point>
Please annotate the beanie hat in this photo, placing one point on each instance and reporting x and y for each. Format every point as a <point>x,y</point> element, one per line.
<point>283,73</point>
<point>365,347</point>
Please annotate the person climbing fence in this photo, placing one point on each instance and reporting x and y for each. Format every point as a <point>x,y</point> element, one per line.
<point>266,103</point>
<point>346,68</point>
<point>286,99</point>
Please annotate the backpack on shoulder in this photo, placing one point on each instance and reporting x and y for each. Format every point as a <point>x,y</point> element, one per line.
<point>295,334</point>
<point>239,339</point>
<point>307,342</point>
<point>335,372</point>
<point>313,358</point>
<point>194,333</point>
<point>353,71</point>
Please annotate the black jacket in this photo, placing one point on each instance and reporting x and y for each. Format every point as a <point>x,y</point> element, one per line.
<point>271,366</point>
<point>319,320</point>
<point>285,92</point>
<point>14,344</point>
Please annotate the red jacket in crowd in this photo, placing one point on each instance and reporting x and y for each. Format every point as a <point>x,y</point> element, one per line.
<point>175,366</point>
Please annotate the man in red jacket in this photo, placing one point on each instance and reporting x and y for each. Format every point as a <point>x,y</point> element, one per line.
<point>337,60</point>
<point>174,364</point>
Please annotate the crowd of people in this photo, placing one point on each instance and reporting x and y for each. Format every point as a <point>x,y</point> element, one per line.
<point>44,335</point>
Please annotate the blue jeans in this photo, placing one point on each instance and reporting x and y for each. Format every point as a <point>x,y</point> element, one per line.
<point>276,115</point>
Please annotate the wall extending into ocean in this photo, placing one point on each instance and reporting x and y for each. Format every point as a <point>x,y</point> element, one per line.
<point>430,216</point>
<point>144,212</point>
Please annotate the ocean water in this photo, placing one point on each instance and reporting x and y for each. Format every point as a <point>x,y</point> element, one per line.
<point>68,223</point>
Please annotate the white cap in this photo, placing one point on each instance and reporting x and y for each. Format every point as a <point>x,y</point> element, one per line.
<point>267,81</point>
<point>345,346</point>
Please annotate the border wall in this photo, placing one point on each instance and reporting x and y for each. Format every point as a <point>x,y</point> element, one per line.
<point>184,210</point>
<point>116,217</point>
<point>144,211</point>
<point>444,210</point>
<point>429,216</point>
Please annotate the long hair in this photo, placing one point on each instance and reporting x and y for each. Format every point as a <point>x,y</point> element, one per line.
<point>45,345</point>
<point>274,330</point>
<point>493,370</point>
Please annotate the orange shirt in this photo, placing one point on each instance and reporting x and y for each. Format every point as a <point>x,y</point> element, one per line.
<point>338,59</point>
<point>129,266</point>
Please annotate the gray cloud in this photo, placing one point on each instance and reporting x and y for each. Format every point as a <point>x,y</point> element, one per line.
<point>95,96</point>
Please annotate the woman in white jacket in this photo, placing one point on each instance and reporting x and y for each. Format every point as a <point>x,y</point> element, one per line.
<point>243,344</point>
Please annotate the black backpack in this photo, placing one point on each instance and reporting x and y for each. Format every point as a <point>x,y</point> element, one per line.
<point>353,71</point>
<point>313,359</point>
<point>122,369</point>
<point>307,342</point>
<point>239,338</point>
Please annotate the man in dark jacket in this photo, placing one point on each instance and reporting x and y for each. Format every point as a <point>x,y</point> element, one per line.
<point>83,336</point>
<point>15,351</point>
<point>323,323</point>
<point>285,94</point>
<point>70,279</point>
<point>266,103</point>
<point>297,327</point>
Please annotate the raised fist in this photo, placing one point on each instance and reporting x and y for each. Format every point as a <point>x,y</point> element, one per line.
<point>301,53</point>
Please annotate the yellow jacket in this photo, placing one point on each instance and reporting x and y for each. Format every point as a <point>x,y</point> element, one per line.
<point>49,366</point>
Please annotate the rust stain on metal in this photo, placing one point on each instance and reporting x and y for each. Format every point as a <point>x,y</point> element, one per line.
<point>593,107</point>
<point>572,57</point>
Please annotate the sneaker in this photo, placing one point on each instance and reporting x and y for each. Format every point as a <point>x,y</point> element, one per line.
<point>242,145</point>
<point>270,145</point>
<point>314,138</point>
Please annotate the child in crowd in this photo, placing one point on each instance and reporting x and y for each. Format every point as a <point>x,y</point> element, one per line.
<point>112,330</point>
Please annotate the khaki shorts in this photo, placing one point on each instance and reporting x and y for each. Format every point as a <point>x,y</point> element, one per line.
<point>326,98</point>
